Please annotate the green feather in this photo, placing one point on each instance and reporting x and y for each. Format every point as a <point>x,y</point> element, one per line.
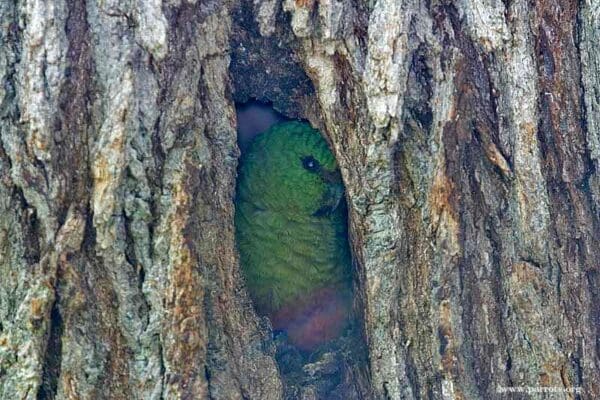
<point>288,249</point>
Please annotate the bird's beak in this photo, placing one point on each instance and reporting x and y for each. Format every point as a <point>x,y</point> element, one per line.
<point>334,194</point>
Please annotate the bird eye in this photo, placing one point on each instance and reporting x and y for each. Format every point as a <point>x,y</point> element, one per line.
<point>310,164</point>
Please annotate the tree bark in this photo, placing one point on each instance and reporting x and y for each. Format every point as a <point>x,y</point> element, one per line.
<point>468,135</point>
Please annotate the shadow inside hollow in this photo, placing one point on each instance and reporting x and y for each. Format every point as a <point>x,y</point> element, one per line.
<point>254,118</point>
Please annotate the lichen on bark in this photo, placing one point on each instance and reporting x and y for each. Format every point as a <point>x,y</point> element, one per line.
<point>467,136</point>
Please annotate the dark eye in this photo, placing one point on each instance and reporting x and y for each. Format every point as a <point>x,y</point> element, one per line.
<point>310,164</point>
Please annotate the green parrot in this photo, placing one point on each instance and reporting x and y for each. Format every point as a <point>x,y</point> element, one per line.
<point>292,235</point>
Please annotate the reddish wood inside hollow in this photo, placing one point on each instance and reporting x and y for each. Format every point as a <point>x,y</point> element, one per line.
<point>314,320</point>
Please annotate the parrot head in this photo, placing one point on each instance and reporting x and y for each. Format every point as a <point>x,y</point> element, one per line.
<point>293,172</point>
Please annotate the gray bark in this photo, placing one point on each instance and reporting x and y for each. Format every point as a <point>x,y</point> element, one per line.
<point>468,135</point>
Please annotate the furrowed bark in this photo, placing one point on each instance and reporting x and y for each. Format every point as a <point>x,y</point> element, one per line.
<point>468,137</point>
<point>118,168</point>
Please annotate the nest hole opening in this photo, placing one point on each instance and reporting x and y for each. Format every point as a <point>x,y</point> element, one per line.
<point>309,350</point>
<point>270,87</point>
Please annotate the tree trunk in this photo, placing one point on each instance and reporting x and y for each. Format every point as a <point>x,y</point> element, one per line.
<point>468,135</point>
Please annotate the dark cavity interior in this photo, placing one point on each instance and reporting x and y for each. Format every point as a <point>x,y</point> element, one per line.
<point>270,86</point>
<point>254,118</point>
